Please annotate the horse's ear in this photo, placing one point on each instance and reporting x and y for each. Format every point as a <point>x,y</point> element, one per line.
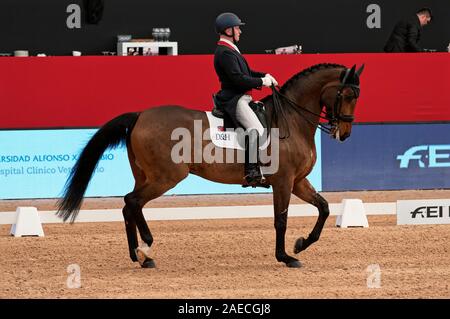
<point>360,70</point>
<point>349,74</point>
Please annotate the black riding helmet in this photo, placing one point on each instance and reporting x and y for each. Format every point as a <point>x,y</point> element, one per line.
<point>227,20</point>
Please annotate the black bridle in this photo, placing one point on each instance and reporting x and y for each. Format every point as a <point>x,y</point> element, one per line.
<point>335,114</point>
<point>332,116</point>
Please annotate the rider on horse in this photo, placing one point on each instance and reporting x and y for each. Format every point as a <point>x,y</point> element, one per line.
<point>237,82</point>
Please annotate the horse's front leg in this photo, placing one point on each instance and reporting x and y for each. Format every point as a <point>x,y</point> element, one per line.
<point>281,198</point>
<point>305,191</point>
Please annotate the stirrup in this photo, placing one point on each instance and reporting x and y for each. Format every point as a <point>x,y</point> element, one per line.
<point>254,185</point>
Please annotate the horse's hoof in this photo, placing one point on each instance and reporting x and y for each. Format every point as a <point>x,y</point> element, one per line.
<point>298,247</point>
<point>142,254</point>
<point>148,263</point>
<point>294,264</point>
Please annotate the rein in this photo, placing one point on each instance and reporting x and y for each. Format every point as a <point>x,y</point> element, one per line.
<point>276,95</point>
<point>331,118</point>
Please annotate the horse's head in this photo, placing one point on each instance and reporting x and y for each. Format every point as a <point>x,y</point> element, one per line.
<point>339,98</point>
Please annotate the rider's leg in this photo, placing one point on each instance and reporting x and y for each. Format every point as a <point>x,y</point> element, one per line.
<point>248,119</point>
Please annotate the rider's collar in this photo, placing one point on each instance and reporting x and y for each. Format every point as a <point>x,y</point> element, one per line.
<point>228,43</point>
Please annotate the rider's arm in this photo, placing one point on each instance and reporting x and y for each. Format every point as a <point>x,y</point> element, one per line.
<point>257,74</point>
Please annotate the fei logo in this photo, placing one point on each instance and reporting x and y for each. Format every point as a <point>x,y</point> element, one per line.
<point>435,155</point>
<point>423,212</point>
<point>431,211</point>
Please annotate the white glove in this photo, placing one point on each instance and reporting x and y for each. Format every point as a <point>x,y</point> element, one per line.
<point>267,81</point>
<point>274,82</point>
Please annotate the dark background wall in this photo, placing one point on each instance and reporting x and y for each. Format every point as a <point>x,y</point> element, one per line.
<point>320,26</point>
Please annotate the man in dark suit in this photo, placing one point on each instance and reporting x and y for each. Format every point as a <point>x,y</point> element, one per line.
<point>237,82</point>
<point>406,34</point>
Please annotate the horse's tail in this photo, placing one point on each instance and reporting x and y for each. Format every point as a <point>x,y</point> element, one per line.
<point>110,135</point>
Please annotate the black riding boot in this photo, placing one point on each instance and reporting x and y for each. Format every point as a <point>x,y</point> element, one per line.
<point>252,171</point>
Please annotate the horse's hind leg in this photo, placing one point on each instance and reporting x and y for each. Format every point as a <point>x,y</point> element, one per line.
<point>305,191</point>
<point>130,226</point>
<point>136,200</point>
<point>133,208</point>
<point>128,210</point>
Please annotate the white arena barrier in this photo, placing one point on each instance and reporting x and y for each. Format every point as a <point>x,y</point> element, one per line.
<point>211,212</point>
<point>27,223</point>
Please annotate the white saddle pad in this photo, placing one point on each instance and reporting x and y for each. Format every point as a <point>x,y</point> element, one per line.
<point>226,139</point>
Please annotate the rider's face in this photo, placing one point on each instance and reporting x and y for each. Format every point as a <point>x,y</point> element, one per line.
<point>237,33</point>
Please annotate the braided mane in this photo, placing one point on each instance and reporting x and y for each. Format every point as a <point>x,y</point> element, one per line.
<point>309,71</point>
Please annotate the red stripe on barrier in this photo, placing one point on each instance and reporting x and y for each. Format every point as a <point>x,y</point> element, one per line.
<point>88,91</point>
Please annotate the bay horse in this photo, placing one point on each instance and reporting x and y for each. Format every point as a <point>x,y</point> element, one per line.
<point>296,109</point>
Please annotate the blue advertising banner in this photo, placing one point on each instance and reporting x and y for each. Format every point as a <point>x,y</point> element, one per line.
<point>36,164</point>
<point>388,157</point>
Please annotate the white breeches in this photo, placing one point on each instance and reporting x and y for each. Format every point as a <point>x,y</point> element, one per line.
<point>246,116</point>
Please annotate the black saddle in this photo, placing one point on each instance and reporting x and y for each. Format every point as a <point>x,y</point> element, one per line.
<point>257,107</point>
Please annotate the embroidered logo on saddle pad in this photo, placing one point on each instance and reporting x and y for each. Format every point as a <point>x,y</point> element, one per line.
<point>227,138</point>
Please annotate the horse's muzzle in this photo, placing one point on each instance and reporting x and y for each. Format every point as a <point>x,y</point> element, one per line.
<point>344,137</point>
